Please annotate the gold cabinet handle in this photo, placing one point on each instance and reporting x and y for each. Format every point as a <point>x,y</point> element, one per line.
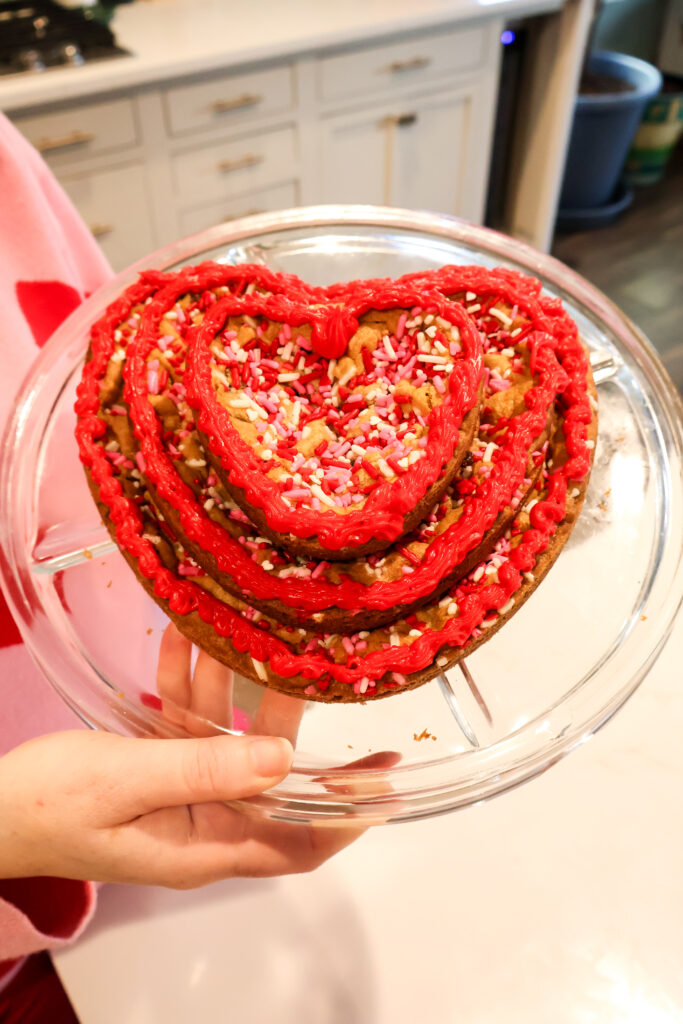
<point>249,160</point>
<point>399,66</point>
<point>98,230</point>
<point>398,120</point>
<point>74,138</point>
<point>247,213</point>
<point>247,99</point>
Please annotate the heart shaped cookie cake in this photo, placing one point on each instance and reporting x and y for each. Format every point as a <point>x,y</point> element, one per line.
<point>338,492</point>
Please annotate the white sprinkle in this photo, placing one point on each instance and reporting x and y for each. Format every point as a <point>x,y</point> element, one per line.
<point>317,490</point>
<point>242,402</point>
<point>282,378</point>
<point>394,640</point>
<point>331,368</point>
<point>529,576</point>
<point>415,632</point>
<point>118,356</point>
<point>490,449</point>
<point>470,296</point>
<point>478,573</point>
<point>260,669</point>
<point>388,347</point>
<point>509,352</point>
<point>499,315</point>
<point>475,308</point>
<point>507,607</point>
<point>593,403</point>
<point>363,635</point>
<point>252,415</point>
<point>440,360</point>
<point>590,444</point>
<point>195,463</point>
<point>429,319</point>
<point>268,566</point>
<point>443,324</point>
<point>364,683</point>
<point>452,608</point>
<point>208,504</point>
<point>347,376</point>
<point>266,454</point>
<point>384,469</point>
<point>431,332</point>
<point>441,661</point>
<point>574,493</point>
<point>531,504</point>
<point>486,623</point>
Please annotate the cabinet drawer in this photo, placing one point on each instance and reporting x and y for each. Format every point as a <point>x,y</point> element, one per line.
<point>281,197</point>
<point>236,167</point>
<point>114,205</point>
<point>83,130</point>
<point>420,59</point>
<point>228,100</point>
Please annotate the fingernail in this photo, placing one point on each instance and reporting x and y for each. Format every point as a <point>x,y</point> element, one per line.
<point>270,756</point>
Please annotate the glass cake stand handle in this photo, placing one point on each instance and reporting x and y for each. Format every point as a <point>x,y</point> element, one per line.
<point>67,544</point>
<point>455,704</point>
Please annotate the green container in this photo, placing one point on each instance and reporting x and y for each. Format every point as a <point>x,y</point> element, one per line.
<point>655,139</point>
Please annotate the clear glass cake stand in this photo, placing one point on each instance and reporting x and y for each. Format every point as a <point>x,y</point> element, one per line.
<point>555,674</point>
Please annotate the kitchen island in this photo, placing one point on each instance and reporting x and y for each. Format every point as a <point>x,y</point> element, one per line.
<point>222,110</point>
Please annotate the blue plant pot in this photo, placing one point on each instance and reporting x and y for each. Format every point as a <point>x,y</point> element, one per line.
<point>603,129</point>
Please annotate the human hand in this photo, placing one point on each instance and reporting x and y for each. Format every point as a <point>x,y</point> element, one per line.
<point>95,806</point>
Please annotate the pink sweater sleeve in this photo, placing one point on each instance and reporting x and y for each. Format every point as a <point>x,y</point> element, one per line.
<point>42,913</point>
<point>48,263</point>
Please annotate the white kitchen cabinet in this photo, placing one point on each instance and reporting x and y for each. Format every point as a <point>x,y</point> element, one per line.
<point>235,167</point>
<point>412,153</point>
<point>114,204</point>
<point>402,122</point>
<point>280,197</point>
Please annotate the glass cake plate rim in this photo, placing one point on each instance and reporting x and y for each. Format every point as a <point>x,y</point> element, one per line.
<point>489,770</point>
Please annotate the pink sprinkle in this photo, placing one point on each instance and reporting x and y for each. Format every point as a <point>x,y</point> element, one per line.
<point>347,645</point>
<point>361,645</point>
<point>310,691</point>
<point>499,384</point>
<point>118,410</point>
<point>400,679</point>
<point>319,570</point>
<point>315,504</point>
<point>211,480</point>
<point>189,570</point>
<point>140,460</point>
<point>287,331</point>
<point>454,348</point>
<point>401,326</point>
<point>439,385</point>
<point>297,492</point>
<point>153,382</point>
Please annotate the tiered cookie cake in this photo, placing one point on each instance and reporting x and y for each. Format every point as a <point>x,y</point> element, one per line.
<point>339,492</point>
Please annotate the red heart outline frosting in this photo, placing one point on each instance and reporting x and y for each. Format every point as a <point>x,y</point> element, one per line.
<point>383,513</point>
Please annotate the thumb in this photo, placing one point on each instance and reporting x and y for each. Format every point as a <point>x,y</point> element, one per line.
<point>155,773</point>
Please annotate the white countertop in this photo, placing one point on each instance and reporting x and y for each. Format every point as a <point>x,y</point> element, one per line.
<point>172,38</point>
<point>560,902</point>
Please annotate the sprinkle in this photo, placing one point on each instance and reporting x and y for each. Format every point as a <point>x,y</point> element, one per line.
<point>499,315</point>
<point>260,670</point>
<point>441,661</point>
<point>475,308</point>
<point>478,573</point>
<point>140,461</point>
<point>507,607</point>
<point>590,444</point>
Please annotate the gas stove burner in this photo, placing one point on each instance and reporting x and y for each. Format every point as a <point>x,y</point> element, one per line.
<point>42,36</point>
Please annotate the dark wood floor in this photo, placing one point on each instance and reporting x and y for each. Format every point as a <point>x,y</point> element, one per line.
<point>638,263</point>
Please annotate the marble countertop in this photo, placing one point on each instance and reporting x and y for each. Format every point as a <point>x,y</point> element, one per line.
<point>172,38</point>
<point>560,901</point>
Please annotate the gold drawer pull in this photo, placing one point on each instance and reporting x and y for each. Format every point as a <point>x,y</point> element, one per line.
<point>250,160</point>
<point>398,120</point>
<point>98,230</point>
<point>74,138</point>
<point>399,66</point>
<point>247,99</point>
<point>247,213</point>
